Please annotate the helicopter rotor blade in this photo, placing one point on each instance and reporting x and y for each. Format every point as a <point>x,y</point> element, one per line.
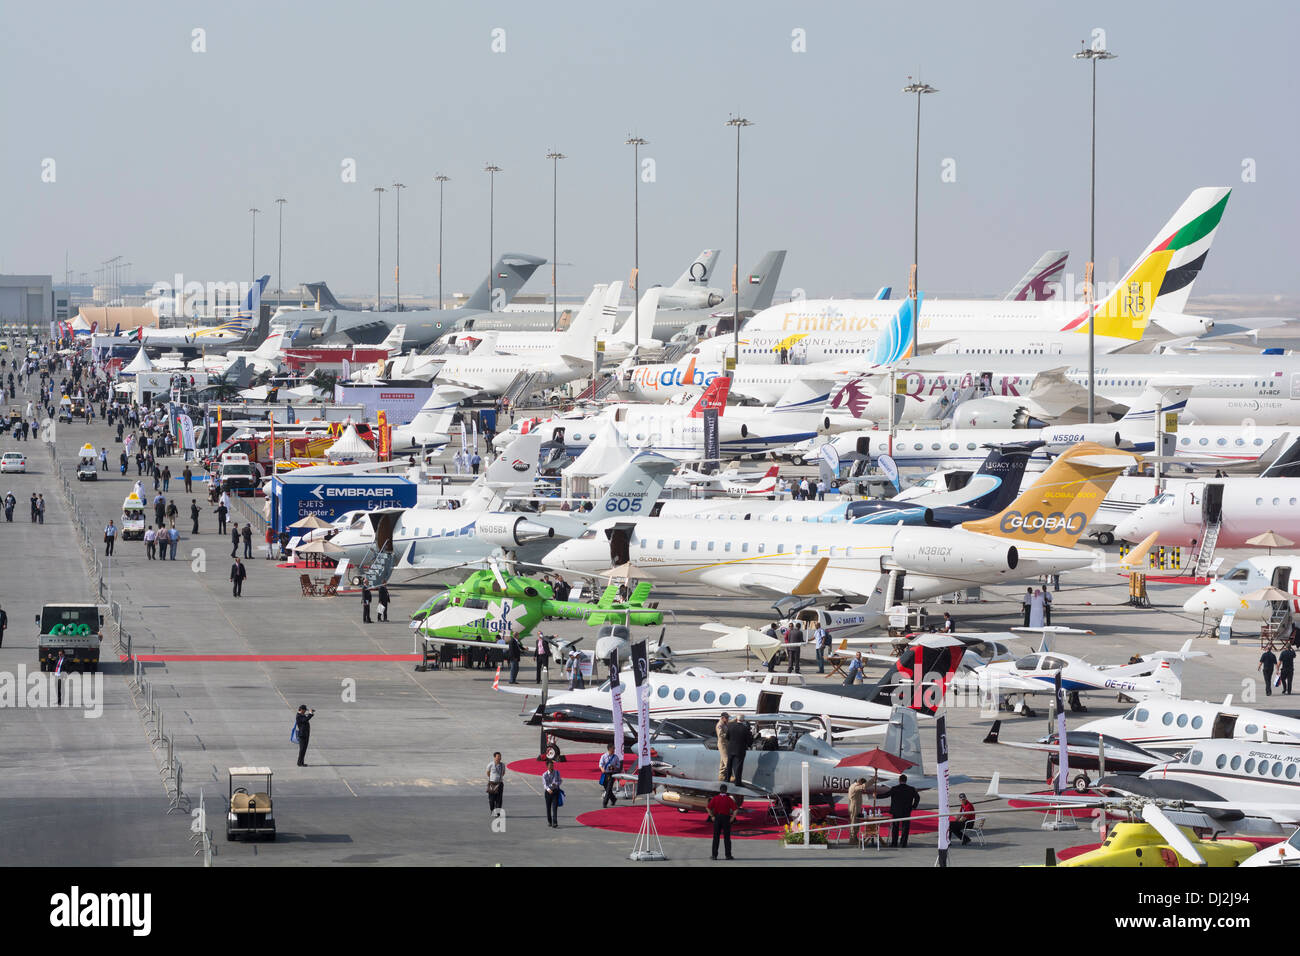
<point>1153,815</point>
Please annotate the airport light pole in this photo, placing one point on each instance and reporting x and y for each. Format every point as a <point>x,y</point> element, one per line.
<point>919,89</point>
<point>397,269</point>
<point>441,180</point>
<point>379,241</point>
<point>739,122</point>
<point>279,261</point>
<point>636,142</point>
<point>254,210</point>
<point>555,158</point>
<point>492,170</point>
<point>1086,53</point>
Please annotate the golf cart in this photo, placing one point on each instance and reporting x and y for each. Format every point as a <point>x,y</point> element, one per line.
<point>250,809</point>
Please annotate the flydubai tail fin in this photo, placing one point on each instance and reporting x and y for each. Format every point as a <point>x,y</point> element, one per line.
<point>1058,506</point>
<point>1043,280</point>
<point>715,397</point>
<point>635,487</point>
<point>759,287</point>
<point>699,271</point>
<point>1126,312</point>
<point>884,292</point>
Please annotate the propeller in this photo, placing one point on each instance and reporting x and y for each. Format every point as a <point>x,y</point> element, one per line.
<point>1175,837</point>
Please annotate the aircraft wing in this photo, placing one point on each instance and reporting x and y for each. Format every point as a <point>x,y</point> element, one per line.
<point>518,689</point>
<point>702,786</point>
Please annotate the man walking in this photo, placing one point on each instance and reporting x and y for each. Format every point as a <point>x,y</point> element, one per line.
<point>172,514</point>
<point>903,799</point>
<point>1267,662</point>
<point>514,651</point>
<point>820,638</point>
<point>237,574</point>
<point>247,535</point>
<point>40,509</point>
<point>110,536</point>
<point>721,811</point>
<point>234,539</point>
<point>4,622</point>
<point>543,657</point>
<point>794,644</point>
<point>365,604</point>
<point>174,538</point>
<point>188,475</point>
<point>610,764</point>
<point>222,510</point>
<point>720,732</point>
<point>496,782</point>
<point>302,724</point>
<point>194,515</point>
<point>1286,662</point>
<point>1026,603</point>
<point>382,596</point>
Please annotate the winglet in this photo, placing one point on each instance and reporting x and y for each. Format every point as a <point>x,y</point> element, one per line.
<point>812,581</point>
<point>1135,557</point>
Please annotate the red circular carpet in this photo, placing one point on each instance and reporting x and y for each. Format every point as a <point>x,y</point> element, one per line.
<point>1040,805</point>
<point>576,767</point>
<point>753,823</point>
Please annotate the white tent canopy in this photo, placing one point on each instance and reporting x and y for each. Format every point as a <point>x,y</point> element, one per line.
<point>605,454</point>
<point>138,364</point>
<point>350,446</point>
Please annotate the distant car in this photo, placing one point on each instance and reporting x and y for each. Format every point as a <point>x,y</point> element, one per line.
<point>13,461</point>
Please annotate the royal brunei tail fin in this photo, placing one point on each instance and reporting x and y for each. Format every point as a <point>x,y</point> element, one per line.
<point>1058,506</point>
<point>509,273</point>
<point>759,287</point>
<point>1042,281</point>
<point>713,397</point>
<point>699,271</point>
<point>1126,312</point>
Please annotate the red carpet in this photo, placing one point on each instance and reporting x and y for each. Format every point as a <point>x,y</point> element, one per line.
<point>1174,579</point>
<point>749,825</point>
<point>754,822</point>
<point>576,767</point>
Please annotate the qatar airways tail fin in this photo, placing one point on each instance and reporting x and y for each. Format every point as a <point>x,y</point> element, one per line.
<point>1043,280</point>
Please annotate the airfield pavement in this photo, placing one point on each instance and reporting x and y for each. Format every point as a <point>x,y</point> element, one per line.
<point>397,759</point>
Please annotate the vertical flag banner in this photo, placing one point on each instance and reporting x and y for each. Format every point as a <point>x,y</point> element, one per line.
<point>710,434</point>
<point>616,705</point>
<point>641,673</point>
<point>382,448</point>
<point>1063,751</point>
<point>941,749</point>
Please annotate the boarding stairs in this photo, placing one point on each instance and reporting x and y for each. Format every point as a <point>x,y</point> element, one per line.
<point>597,389</point>
<point>671,353</point>
<point>1205,555</point>
<point>374,568</point>
<point>1278,624</point>
<point>521,388</point>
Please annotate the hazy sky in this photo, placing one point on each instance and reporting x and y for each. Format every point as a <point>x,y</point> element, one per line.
<point>160,151</point>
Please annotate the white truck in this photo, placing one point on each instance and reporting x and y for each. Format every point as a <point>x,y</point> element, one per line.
<point>73,630</point>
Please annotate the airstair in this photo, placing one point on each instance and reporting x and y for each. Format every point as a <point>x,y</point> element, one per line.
<point>1206,553</point>
<point>521,388</point>
<point>598,389</point>
<point>373,570</point>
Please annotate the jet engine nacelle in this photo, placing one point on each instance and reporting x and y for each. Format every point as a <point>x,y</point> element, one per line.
<point>509,531</point>
<point>951,552</point>
<point>689,298</point>
<point>994,411</point>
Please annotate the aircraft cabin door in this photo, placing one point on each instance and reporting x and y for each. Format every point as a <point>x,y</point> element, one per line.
<point>1213,509</point>
<point>1224,725</point>
<point>769,702</point>
<point>1282,579</point>
<point>1193,502</point>
<point>620,545</point>
<point>894,593</point>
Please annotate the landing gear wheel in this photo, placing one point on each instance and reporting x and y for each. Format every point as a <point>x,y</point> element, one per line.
<point>1081,783</point>
<point>1105,539</point>
<point>552,751</point>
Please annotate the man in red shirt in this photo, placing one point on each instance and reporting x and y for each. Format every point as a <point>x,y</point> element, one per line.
<point>957,824</point>
<point>721,809</point>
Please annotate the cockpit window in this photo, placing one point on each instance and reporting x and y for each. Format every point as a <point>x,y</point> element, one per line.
<point>587,535</point>
<point>1237,574</point>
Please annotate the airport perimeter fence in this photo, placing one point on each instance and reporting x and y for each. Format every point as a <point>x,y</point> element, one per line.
<point>138,684</point>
